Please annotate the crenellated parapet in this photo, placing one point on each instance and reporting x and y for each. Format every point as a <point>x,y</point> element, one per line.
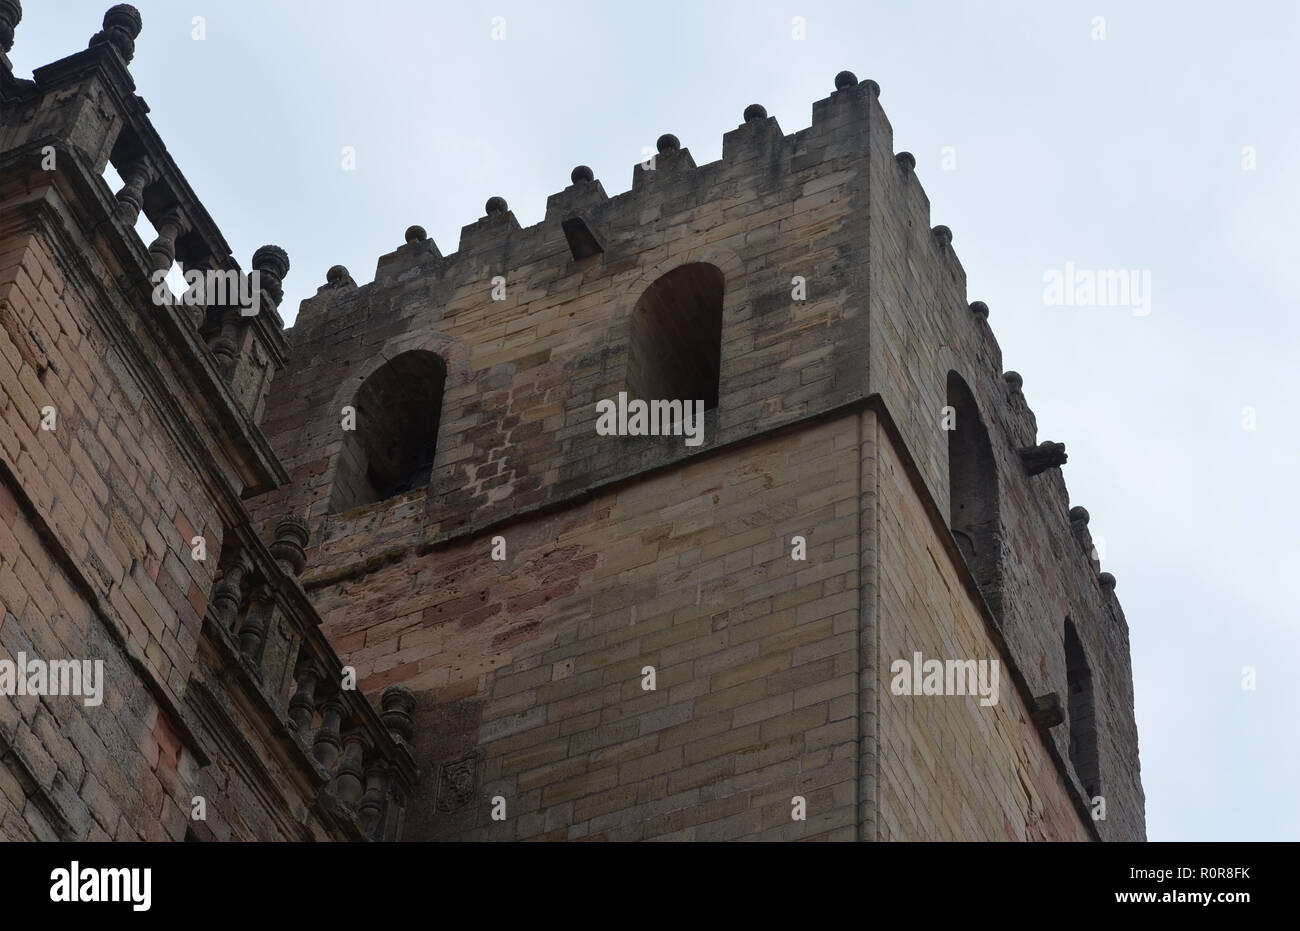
<point>667,181</point>
<point>832,287</point>
<point>768,192</point>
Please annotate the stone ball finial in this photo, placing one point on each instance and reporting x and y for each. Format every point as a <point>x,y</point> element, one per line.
<point>874,88</point>
<point>978,308</point>
<point>1106,581</point>
<point>271,260</point>
<point>125,16</point>
<point>1013,379</point>
<point>907,160</point>
<point>943,235</point>
<point>336,275</point>
<point>11,14</point>
<point>122,23</point>
<point>1079,515</point>
<point>271,264</point>
<point>496,206</point>
<point>415,234</point>
<point>845,79</point>
<point>582,173</point>
<point>755,111</point>
<point>668,143</point>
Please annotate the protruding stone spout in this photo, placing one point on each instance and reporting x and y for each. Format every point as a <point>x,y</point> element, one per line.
<point>1044,456</point>
<point>1047,710</point>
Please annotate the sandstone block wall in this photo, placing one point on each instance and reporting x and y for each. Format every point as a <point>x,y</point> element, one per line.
<point>923,326</point>
<point>108,484</point>
<point>97,519</point>
<point>950,767</point>
<point>531,669</point>
<point>886,317</point>
<point>844,314</point>
<point>524,373</point>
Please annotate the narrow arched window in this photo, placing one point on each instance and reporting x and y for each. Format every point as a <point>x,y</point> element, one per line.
<point>676,351</point>
<point>1083,713</point>
<point>392,448</point>
<point>973,492</point>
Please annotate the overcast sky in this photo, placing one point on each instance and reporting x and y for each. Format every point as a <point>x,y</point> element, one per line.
<point>1129,152</point>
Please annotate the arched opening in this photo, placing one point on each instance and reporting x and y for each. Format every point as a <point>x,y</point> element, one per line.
<point>676,350</point>
<point>973,492</point>
<point>391,449</point>
<point>1083,713</point>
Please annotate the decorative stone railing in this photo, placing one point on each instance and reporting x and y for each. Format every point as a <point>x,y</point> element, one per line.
<point>84,109</point>
<point>261,621</point>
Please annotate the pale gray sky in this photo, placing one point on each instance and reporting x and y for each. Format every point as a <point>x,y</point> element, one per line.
<point>1122,153</point>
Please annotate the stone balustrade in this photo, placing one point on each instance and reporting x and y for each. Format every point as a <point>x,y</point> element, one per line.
<point>259,616</point>
<point>84,108</point>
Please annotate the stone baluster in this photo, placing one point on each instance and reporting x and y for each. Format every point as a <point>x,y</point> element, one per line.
<point>163,249</point>
<point>228,594</point>
<point>347,779</point>
<point>253,631</point>
<point>371,807</point>
<point>302,707</point>
<point>130,199</point>
<point>398,702</point>
<point>326,746</point>
<point>289,548</point>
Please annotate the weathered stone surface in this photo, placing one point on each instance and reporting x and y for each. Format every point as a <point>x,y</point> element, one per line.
<point>416,465</point>
<point>128,439</point>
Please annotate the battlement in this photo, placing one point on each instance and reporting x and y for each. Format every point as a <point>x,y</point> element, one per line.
<point>836,291</point>
<point>595,255</point>
<point>833,383</point>
<point>757,160</point>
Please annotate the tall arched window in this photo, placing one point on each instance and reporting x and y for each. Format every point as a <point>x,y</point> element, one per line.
<point>1083,713</point>
<point>973,493</point>
<point>392,448</point>
<point>676,350</point>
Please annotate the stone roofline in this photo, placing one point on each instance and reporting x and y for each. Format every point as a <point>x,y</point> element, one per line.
<point>603,226</point>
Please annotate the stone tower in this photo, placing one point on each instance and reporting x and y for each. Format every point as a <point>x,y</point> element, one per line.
<point>554,632</point>
<point>478,540</point>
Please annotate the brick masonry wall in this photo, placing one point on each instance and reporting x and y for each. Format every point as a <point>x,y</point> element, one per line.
<point>922,327</point>
<point>96,519</point>
<point>529,670</point>
<point>525,373</point>
<point>949,767</point>
<point>831,204</point>
<point>534,665</point>
<point>106,481</point>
